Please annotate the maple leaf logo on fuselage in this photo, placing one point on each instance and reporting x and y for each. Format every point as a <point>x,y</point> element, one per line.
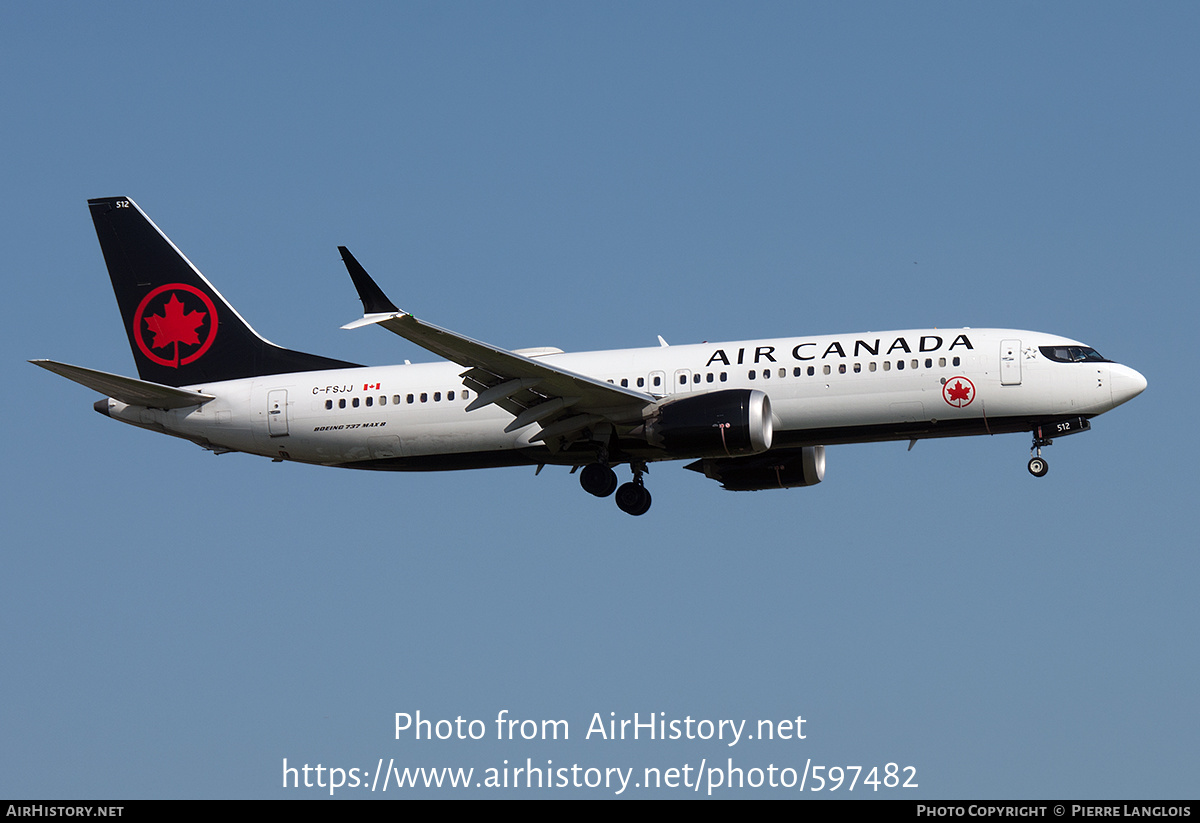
<point>958,392</point>
<point>177,324</point>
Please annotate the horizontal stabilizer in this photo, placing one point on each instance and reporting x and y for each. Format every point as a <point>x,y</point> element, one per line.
<point>128,390</point>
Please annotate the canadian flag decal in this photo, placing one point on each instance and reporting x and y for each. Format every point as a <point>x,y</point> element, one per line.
<point>369,386</point>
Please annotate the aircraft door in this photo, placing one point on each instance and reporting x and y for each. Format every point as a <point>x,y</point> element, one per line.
<point>683,381</point>
<point>1010,363</point>
<point>277,422</point>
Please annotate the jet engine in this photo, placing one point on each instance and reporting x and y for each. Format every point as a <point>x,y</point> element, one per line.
<point>778,470</point>
<point>714,424</point>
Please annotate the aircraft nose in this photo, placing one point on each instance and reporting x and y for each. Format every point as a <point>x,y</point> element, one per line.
<point>1126,383</point>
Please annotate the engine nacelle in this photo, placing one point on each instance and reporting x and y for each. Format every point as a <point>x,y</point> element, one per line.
<point>725,423</point>
<point>787,470</point>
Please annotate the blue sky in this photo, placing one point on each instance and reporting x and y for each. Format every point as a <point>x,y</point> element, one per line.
<point>589,176</point>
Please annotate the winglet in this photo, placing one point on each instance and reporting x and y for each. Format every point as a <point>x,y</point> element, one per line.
<point>373,299</point>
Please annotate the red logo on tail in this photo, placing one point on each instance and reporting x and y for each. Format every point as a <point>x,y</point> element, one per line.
<point>178,318</point>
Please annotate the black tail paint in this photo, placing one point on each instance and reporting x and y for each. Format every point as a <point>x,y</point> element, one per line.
<point>181,330</point>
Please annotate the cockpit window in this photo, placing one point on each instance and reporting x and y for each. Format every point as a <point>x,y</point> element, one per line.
<point>1073,354</point>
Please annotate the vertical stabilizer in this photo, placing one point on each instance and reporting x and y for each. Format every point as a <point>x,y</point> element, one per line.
<point>181,330</point>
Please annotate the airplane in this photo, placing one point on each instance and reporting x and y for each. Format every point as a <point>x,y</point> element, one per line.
<point>752,415</point>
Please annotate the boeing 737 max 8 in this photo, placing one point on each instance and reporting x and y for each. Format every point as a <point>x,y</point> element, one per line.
<point>753,414</point>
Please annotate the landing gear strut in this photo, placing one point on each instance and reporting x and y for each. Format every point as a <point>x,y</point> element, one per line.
<point>633,497</point>
<point>1037,464</point>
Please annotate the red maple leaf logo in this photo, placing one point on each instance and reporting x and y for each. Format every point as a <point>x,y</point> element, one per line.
<point>175,326</point>
<point>958,392</point>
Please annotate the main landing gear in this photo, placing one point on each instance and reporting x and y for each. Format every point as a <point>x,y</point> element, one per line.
<point>600,480</point>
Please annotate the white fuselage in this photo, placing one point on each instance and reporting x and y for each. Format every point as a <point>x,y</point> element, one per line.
<point>822,390</point>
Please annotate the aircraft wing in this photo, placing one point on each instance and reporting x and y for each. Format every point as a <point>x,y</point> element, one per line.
<point>563,402</point>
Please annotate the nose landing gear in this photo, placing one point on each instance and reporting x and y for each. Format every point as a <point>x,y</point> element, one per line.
<point>1059,428</point>
<point>1037,464</point>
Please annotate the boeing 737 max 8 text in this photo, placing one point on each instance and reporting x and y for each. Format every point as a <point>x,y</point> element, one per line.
<point>754,414</point>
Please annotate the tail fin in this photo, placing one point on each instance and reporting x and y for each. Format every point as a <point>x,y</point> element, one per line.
<point>181,330</point>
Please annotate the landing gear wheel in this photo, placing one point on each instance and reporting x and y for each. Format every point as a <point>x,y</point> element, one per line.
<point>598,479</point>
<point>1037,464</point>
<point>633,498</point>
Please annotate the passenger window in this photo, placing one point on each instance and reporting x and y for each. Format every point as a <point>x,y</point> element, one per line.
<point>916,364</point>
<point>887,365</point>
<point>424,397</point>
<point>957,361</point>
<point>411,398</point>
<point>899,365</point>
<point>370,401</point>
<point>842,368</point>
<point>437,397</point>
<point>941,361</point>
<point>812,370</point>
<point>857,368</point>
<point>449,395</point>
<point>342,403</point>
<point>709,377</point>
<point>871,366</point>
<point>329,404</point>
<point>624,384</point>
<point>826,370</point>
<point>354,402</point>
<point>766,373</point>
<point>929,362</point>
<point>641,382</point>
<point>796,372</point>
<point>657,381</point>
<point>751,374</point>
<point>383,399</point>
<point>696,377</point>
<point>724,377</point>
<point>465,394</point>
